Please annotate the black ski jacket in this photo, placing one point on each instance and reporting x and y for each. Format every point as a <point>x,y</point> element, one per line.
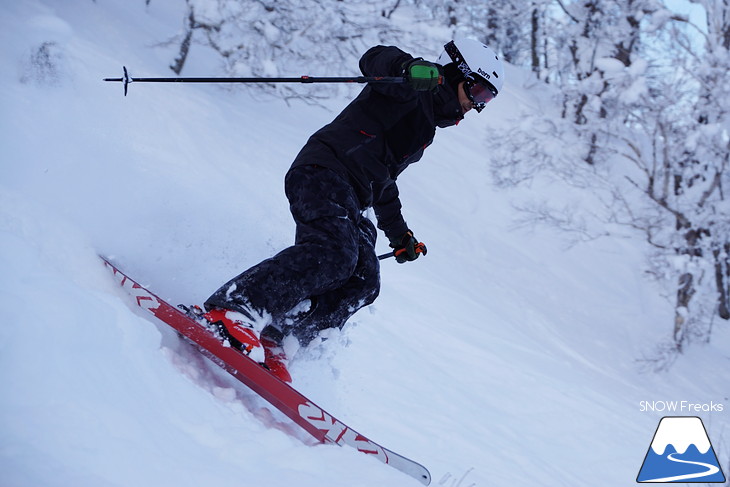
<point>381,132</point>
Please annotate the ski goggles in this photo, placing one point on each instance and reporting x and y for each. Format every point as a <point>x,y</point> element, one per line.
<point>479,91</point>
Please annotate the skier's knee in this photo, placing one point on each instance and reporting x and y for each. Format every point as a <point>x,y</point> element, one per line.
<point>340,264</point>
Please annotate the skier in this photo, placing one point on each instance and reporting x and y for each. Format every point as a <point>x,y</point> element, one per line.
<point>346,167</point>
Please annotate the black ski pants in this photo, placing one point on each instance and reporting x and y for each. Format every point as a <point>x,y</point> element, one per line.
<point>332,262</point>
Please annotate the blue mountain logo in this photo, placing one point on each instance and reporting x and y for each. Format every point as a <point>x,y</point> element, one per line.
<point>680,452</point>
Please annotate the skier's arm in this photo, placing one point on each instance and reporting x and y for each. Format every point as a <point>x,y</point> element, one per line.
<point>387,61</point>
<point>387,208</point>
<point>405,246</point>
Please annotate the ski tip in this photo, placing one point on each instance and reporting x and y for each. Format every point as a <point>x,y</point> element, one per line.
<point>423,475</point>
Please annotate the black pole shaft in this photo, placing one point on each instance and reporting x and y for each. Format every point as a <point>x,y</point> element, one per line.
<point>302,79</point>
<point>126,79</point>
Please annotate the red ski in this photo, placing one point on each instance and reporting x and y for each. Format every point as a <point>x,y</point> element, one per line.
<point>298,408</point>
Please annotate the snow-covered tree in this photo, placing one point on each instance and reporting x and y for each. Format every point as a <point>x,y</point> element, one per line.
<point>268,38</point>
<point>686,172</point>
<point>640,84</point>
<point>597,50</point>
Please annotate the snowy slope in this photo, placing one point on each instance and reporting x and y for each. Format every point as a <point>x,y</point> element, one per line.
<point>501,358</point>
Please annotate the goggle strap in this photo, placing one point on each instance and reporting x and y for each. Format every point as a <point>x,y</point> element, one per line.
<point>457,58</point>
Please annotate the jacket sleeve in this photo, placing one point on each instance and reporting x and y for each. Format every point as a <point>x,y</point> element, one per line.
<point>387,208</point>
<point>387,61</point>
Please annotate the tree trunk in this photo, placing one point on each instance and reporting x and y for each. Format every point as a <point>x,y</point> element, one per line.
<point>534,38</point>
<point>722,279</point>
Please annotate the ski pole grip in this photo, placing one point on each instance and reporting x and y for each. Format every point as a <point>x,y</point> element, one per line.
<point>420,249</point>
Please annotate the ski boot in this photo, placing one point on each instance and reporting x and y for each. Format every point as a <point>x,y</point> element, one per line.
<point>231,326</point>
<point>234,327</point>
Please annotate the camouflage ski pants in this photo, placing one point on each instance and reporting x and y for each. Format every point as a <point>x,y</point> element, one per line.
<point>332,262</point>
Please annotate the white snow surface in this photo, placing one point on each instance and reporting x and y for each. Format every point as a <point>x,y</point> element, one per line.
<point>502,358</point>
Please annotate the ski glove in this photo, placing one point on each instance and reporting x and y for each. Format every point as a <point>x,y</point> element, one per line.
<point>406,248</point>
<point>422,75</point>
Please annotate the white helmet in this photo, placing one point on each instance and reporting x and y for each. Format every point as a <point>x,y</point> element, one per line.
<point>477,62</point>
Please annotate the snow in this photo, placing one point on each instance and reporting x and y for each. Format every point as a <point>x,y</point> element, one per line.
<point>500,358</point>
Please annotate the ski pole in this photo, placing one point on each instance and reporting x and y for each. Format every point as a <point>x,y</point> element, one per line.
<point>126,79</point>
<point>420,249</point>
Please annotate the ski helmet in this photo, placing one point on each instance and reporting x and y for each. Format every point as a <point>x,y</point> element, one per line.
<point>482,69</point>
